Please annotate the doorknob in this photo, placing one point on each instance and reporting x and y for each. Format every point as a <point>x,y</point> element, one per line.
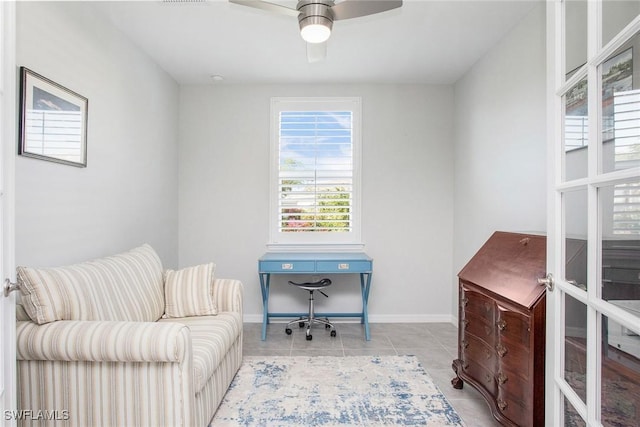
<point>10,287</point>
<point>547,281</point>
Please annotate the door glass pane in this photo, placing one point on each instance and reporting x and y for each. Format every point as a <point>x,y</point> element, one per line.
<point>571,417</point>
<point>620,391</point>
<point>575,233</point>
<point>575,354</point>
<point>575,33</point>
<point>621,109</point>
<point>617,14</point>
<point>576,131</point>
<point>620,223</point>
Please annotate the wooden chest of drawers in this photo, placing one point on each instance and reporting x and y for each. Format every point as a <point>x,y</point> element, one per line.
<point>501,331</point>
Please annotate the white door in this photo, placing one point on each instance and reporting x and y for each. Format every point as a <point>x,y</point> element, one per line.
<point>7,155</point>
<point>593,312</point>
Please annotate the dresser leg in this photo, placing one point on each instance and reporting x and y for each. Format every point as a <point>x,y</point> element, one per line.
<point>456,382</point>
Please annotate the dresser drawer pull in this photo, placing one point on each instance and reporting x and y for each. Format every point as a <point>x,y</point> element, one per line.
<point>502,350</point>
<point>502,324</point>
<point>502,378</point>
<point>465,343</point>
<point>502,404</point>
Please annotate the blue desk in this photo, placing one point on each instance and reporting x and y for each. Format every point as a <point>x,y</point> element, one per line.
<point>318,264</point>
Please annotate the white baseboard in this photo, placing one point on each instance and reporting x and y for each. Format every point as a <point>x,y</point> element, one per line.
<point>377,318</point>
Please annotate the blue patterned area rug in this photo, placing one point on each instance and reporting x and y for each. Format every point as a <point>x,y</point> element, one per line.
<point>334,391</point>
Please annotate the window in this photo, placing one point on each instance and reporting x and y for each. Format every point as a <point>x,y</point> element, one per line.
<point>315,180</point>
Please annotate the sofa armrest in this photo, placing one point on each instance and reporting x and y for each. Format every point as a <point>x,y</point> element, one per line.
<point>103,341</point>
<point>228,294</point>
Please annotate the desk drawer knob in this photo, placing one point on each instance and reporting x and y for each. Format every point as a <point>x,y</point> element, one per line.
<point>287,266</point>
<point>344,266</point>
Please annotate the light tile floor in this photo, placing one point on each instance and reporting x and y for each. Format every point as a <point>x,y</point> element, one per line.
<point>435,345</point>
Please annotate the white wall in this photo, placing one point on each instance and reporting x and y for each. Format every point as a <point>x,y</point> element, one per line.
<point>127,195</point>
<point>407,181</point>
<point>500,139</point>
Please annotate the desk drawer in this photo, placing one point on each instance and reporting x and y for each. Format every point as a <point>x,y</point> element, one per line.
<point>287,266</point>
<point>343,266</point>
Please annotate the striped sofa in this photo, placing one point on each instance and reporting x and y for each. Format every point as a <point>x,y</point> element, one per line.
<point>97,344</point>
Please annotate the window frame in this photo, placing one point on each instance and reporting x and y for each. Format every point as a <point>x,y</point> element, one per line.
<point>315,241</point>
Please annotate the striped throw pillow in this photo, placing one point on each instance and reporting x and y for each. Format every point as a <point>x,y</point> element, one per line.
<point>126,286</point>
<point>188,292</point>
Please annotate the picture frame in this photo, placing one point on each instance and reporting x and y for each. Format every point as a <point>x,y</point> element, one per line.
<point>52,121</point>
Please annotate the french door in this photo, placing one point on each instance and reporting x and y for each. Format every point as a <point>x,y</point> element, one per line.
<point>593,314</point>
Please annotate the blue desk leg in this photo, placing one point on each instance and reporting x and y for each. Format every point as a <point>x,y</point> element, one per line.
<point>365,286</point>
<point>265,279</point>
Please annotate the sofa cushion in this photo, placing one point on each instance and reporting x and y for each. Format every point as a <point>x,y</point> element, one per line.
<point>211,338</point>
<point>188,292</point>
<point>126,286</point>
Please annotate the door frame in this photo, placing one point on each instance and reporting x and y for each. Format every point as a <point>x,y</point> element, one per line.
<point>8,99</point>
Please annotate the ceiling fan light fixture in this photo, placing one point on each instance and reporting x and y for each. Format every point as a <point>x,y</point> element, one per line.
<point>315,29</point>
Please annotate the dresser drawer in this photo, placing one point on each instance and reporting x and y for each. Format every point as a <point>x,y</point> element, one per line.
<point>515,410</point>
<point>287,266</point>
<point>480,374</point>
<point>477,351</point>
<point>514,386</point>
<point>477,304</point>
<point>343,266</point>
<point>514,357</point>
<point>513,326</point>
<point>479,327</point>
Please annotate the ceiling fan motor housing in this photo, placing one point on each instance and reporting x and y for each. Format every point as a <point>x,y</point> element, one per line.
<point>316,12</point>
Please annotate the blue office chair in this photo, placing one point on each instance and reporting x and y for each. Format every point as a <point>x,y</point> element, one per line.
<point>311,318</point>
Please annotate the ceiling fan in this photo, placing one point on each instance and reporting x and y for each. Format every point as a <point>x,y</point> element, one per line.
<point>316,17</point>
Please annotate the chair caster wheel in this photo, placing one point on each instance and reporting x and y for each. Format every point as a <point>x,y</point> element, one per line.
<point>333,333</point>
<point>301,324</point>
<point>327,326</point>
<point>309,337</point>
<point>288,331</point>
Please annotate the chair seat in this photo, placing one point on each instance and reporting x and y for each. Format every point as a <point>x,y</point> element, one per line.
<point>310,286</point>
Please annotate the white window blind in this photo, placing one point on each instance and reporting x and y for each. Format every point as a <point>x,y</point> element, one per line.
<point>315,170</point>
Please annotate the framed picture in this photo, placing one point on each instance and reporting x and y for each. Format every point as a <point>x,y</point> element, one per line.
<point>53,121</point>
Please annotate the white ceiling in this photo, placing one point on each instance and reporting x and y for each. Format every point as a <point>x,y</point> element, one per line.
<point>424,41</point>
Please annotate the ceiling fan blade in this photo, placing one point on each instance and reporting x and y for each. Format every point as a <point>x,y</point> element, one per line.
<point>269,7</point>
<point>355,8</point>
<point>316,52</point>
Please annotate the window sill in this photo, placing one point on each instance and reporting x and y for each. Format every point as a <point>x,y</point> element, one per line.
<point>315,247</point>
